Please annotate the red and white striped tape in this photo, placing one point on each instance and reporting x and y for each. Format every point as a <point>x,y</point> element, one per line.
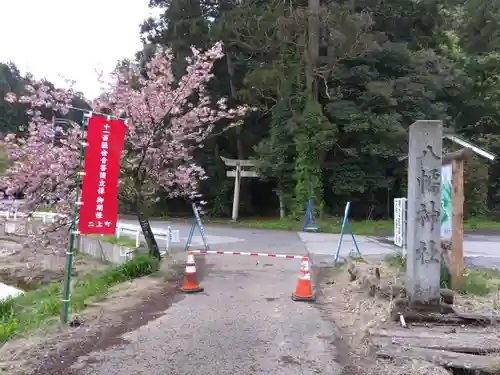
<point>245,253</point>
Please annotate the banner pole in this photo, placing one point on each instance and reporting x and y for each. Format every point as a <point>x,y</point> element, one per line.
<point>98,113</point>
<point>74,229</point>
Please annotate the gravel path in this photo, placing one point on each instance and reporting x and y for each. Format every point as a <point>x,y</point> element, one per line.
<point>244,323</point>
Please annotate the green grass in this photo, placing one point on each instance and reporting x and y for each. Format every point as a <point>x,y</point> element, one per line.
<point>480,281</point>
<point>481,223</point>
<point>35,308</point>
<point>396,260</point>
<point>328,225</point>
<point>47,209</point>
<point>475,281</point>
<point>334,224</point>
<point>122,241</point>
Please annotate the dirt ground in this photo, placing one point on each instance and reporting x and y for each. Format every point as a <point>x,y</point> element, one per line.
<point>25,266</point>
<point>128,306</point>
<point>354,312</point>
<point>131,305</point>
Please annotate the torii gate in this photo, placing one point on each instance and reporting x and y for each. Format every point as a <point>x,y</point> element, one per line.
<point>238,173</point>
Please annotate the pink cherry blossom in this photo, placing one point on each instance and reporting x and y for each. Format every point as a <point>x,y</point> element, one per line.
<point>44,172</point>
<point>167,121</point>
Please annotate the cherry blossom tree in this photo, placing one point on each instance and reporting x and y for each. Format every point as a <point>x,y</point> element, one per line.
<point>46,174</point>
<point>167,120</point>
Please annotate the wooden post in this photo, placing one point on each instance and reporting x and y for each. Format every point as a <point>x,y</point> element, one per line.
<point>457,159</point>
<point>457,236</point>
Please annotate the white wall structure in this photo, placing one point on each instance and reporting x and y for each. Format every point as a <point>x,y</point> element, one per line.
<point>7,291</point>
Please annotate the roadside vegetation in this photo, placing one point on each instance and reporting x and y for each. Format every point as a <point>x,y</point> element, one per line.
<point>479,282</point>
<point>42,306</point>
<point>334,224</point>
<point>122,241</point>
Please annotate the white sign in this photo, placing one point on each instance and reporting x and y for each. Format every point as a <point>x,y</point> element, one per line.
<point>446,210</point>
<point>446,202</point>
<point>398,221</point>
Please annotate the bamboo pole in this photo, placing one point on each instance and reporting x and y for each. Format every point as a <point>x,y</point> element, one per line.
<point>74,229</point>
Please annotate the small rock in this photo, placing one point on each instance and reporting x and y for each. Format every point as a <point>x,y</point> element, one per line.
<point>75,322</point>
<point>80,365</point>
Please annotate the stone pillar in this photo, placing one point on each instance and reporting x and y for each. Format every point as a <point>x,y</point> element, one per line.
<point>423,263</point>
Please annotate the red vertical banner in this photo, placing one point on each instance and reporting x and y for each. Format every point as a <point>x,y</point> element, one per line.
<point>99,209</point>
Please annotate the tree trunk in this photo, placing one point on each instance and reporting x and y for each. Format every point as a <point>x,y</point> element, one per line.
<point>149,236</point>
<point>312,47</point>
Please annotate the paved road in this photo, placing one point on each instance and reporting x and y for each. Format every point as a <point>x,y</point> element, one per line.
<point>222,235</point>
<point>479,249</point>
<point>244,323</point>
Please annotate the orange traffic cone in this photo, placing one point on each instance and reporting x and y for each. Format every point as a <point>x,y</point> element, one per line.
<point>190,279</point>
<point>304,290</point>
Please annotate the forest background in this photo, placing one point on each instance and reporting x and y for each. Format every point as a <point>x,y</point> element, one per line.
<point>336,84</point>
